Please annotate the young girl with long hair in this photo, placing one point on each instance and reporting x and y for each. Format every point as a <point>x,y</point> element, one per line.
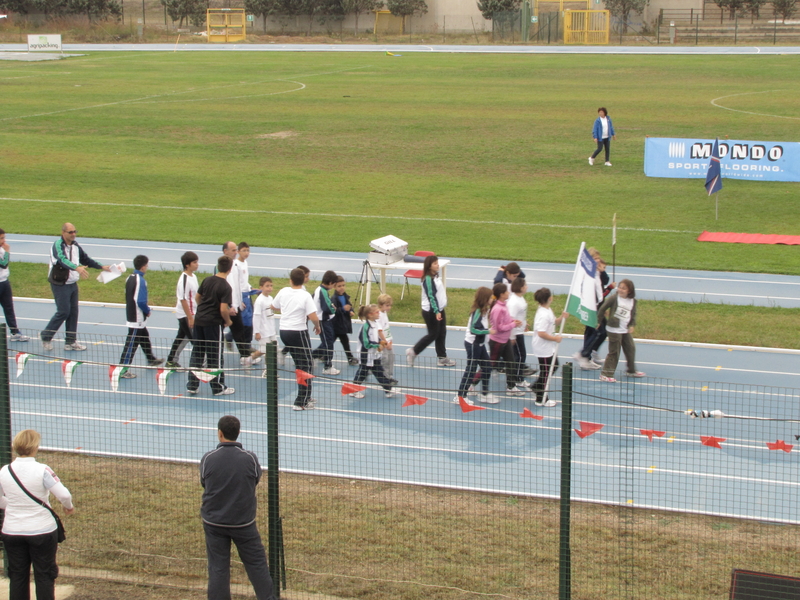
<point>621,309</point>
<point>477,357</point>
<point>499,345</point>
<point>434,301</point>
<point>370,355</point>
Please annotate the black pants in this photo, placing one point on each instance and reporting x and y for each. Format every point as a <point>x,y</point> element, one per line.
<point>477,358</point>
<point>544,373</point>
<point>207,349</point>
<point>299,345</point>
<point>342,337</point>
<point>437,333</point>
<point>239,333</point>
<point>377,370</point>
<point>7,301</point>
<point>604,143</point>
<point>183,337</point>
<point>135,339</point>
<point>324,351</point>
<point>23,551</point>
<point>505,351</point>
<point>251,552</point>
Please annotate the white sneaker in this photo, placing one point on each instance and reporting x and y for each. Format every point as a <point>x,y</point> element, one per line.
<point>256,361</point>
<point>18,337</point>
<point>410,357</point>
<point>331,371</point>
<point>446,362</point>
<point>226,392</point>
<point>591,160</point>
<point>549,403</point>
<point>392,392</point>
<point>75,347</point>
<point>488,399</point>
<point>588,365</point>
<point>516,391</point>
<point>597,358</point>
<point>456,400</point>
<point>524,384</point>
<point>608,164</point>
<point>128,375</point>
<point>245,361</point>
<point>47,345</point>
<point>358,395</point>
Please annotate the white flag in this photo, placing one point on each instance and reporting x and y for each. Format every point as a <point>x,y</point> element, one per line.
<point>22,359</point>
<point>582,301</point>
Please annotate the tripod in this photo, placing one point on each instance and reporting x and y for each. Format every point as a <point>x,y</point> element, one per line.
<point>367,276</point>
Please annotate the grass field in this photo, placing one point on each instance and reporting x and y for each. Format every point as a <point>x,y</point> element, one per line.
<point>471,155</point>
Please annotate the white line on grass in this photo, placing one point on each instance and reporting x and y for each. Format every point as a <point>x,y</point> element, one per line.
<point>144,98</point>
<point>343,216</point>
<point>747,112</point>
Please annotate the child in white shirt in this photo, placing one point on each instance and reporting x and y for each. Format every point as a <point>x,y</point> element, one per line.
<point>384,330</point>
<point>264,330</point>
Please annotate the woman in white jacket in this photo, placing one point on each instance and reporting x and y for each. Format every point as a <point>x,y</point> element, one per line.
<point>29,530</point>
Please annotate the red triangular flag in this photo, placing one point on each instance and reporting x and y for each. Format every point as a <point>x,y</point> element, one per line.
<point>527,414</point>
<point>302,377</point>
<point>412,400</point>
<point>710,440</point>
<point>650,433</point>
<point>780,445</point>
<point>588,429</point>
<point>351,388</point>
<point>468,407</point>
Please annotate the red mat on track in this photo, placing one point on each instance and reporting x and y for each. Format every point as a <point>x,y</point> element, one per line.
<point>749,238</point>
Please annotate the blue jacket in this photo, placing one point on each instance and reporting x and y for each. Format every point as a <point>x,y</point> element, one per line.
<point>597,130</point>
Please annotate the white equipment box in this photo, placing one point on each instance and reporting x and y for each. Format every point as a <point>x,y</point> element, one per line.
<point>387,250</point>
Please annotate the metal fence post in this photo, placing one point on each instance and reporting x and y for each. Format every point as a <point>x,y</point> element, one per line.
<point>564,554</point>
<point>276,557</point>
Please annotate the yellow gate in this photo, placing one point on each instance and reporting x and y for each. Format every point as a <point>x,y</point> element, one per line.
<point>226,24</point>
<point>586,26</point>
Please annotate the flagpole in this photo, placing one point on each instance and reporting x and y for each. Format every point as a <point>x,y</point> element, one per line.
<point>716,205</point>
<point>614,249</point>
<point>555,356</point>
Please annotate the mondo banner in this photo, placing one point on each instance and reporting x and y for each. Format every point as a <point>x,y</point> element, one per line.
<point>739,159</point>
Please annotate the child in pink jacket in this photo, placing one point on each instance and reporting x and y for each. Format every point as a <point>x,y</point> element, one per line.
<point>500,346</point>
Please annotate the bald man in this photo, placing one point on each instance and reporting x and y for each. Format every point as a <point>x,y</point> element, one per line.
<point>68,264</point>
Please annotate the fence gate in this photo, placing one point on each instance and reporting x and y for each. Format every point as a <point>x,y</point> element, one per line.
<point>586,26</point>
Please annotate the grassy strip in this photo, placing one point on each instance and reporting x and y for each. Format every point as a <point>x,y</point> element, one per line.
<point>468,155</point>
<point>367,540</point>
<point>658,320</point>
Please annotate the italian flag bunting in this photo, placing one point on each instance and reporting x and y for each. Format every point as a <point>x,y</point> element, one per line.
<point>582,301</point>
<point>162,376</point>
<point>68,368</point>
<point>114,373</point>
<point>22,358</point>
<point>206,376</point>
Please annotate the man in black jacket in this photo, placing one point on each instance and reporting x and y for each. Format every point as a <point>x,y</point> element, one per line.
<point>68,264</point>
<point>229,476</point>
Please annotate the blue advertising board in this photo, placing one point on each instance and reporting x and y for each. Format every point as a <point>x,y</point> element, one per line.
<point>739,159</point>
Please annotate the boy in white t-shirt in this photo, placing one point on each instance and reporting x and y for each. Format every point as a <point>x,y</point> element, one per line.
<point>297,306</point>
<point>186,307</point>
<point>263,318</point>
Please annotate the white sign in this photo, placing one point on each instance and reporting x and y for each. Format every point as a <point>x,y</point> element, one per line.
<point>46,43</point>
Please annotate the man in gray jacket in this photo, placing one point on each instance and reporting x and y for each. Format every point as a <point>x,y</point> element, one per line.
<point>229,475</point>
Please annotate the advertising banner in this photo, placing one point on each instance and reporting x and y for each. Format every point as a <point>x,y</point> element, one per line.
<point>739,159</point>
<point>47,43</point>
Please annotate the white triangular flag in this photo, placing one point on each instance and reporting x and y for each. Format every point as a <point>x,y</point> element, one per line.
<point>22,358</point>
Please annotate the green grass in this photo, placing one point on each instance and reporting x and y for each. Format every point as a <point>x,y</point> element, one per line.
<point>493,146</point>
<point>378,541</point>
<point>659,320</point>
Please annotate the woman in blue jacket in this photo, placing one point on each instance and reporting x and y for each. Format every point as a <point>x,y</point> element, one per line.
<point>602,133</point>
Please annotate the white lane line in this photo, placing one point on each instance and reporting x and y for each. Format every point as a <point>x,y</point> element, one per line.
<point>337,215</point>
<point>747,112</point>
